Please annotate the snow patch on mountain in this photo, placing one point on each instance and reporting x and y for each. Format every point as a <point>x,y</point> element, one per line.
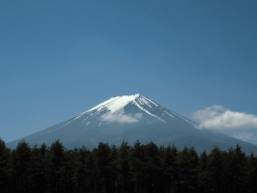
<point>115,104</point>
<point>169,114</point>
<point>147,112</point>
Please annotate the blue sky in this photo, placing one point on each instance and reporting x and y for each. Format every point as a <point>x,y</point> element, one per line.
<point>59,57</point>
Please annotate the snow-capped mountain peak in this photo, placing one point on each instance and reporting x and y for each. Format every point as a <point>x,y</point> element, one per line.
<point>115,106</point>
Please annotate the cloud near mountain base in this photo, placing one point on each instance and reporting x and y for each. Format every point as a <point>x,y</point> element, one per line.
<point>121,117</point>
<point>237,124</point>
<point>218,117</point>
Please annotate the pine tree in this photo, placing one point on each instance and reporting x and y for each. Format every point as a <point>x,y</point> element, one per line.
<point>235,171</point>
<point>251,180</point>
<point>38,170</point>
<point>56,168</point>
<point>21,163</point>
<point>137,165</point>
<point>104,167</point>
<point>170,169</point>
<point>123,167</point>
<point>215,172</point>
<point>4,168</point>
<point>187,171</point>
<point>202,168</point>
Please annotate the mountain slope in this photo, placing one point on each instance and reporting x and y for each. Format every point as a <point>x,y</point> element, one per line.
<point>131,118</point>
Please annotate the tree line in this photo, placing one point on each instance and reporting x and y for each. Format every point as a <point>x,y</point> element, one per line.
<point>138,168</point>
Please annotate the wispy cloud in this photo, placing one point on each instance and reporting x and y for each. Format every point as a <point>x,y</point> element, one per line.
<point>121,117</point>
<point>237,124</point>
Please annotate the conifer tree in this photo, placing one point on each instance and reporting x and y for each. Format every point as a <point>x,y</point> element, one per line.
<point>21,163</point>
<point>141,168</point>
<point>4,167</point>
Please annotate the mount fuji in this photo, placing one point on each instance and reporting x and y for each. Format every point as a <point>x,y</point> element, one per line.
<point>130,118</point>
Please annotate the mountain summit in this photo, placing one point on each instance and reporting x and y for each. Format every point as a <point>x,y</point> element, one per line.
<point>131,118</point>
<point>128,109</point>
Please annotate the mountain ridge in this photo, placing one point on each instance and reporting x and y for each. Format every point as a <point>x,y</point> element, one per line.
<point>131,118</point>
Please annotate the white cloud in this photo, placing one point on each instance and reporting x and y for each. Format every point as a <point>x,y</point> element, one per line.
<point>218,117</point>
<point>236,124</point>
<point>121,117</point>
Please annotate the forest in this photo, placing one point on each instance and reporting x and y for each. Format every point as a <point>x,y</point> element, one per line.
<point>138,168</point>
